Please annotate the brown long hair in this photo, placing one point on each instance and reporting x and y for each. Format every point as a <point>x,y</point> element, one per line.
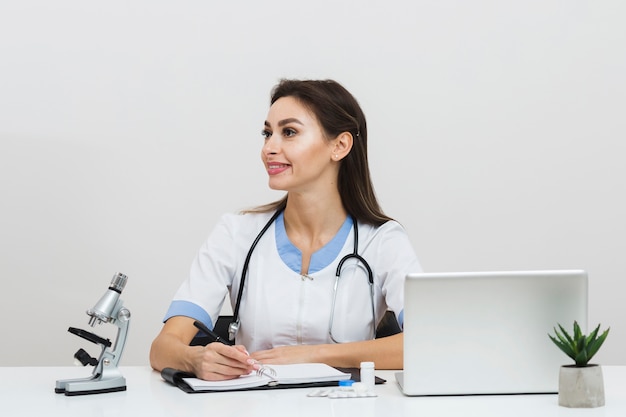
<point>337,112</point>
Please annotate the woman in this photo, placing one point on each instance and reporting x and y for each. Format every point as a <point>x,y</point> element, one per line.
<point>315,149</point>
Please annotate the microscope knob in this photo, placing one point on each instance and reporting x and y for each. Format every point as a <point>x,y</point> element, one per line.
<point>124,314</point>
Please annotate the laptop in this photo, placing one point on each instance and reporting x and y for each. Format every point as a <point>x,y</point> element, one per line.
<point>476,333</point>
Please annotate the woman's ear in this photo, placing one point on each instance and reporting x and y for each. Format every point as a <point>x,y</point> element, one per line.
<point>343,145</point>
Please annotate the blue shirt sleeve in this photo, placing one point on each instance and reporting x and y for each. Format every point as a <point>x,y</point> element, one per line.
<point>188,309</point>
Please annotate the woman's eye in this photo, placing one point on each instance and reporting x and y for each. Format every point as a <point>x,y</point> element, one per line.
<point>288,132</point>
<point>266,133</point>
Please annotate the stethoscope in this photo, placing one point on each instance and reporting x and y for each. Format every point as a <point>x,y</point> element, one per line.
<point>233,327</point>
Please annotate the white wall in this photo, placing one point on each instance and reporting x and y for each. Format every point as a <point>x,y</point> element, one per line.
<point>497,137</point>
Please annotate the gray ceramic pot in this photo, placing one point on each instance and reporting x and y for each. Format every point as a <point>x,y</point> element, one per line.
<point>581,386</point>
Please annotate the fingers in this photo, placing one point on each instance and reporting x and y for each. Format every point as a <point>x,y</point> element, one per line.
<point>286,354</point>
<point>242,349</point>
<point>218,361</point>
<point>270,356</point>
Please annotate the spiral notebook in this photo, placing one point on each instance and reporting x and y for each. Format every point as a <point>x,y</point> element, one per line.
<point>301,375</point>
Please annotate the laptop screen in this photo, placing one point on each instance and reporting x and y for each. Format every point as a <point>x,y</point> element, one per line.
<point>487,332</point>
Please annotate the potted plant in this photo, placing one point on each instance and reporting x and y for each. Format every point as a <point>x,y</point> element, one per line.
<point>580,385</point>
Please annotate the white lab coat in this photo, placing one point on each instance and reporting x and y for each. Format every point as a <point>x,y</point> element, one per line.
<point>281,307</point>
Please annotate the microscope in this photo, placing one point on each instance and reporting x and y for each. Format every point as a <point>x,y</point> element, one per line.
<point>106,376</point>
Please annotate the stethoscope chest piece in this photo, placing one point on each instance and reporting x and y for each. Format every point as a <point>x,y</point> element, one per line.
<point>233,329</point>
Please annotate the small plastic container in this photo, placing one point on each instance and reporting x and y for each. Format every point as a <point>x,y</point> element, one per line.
<point>346,385</point>
<point>367,375</point>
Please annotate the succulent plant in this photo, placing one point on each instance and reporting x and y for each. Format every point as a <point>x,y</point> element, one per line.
<point>579,347</point>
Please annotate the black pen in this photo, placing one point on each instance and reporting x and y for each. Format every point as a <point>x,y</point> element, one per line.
<point>209,333</point>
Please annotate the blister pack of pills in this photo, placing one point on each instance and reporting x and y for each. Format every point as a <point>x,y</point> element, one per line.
<point>356,390</point>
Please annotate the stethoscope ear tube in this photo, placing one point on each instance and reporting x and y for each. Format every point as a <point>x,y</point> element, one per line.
<point>370,278</point>
<point>355,254</point>
<point>370,274</point>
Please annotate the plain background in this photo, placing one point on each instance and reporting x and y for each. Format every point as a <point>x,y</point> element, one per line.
<point>497,138</point>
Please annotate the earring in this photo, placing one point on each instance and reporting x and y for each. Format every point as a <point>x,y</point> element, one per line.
<point>336,156</point>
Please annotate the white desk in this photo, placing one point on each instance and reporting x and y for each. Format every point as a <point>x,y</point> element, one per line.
<point>30,392</point>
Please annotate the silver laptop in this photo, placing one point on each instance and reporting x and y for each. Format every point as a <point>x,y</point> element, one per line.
<point>487,332</point>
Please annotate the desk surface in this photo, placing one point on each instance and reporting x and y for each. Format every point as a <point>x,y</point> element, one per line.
<point>29,391</point>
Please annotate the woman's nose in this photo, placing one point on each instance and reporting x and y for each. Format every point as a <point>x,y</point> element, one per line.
<point>270,146</point>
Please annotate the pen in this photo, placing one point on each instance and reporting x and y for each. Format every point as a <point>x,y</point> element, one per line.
<point>258,366</point>
<point>210,333</point>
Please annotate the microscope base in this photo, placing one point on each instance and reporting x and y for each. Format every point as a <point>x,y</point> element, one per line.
<point>93,385</point>
<point>91,391</point>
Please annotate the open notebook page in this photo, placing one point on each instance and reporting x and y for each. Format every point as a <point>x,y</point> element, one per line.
<point>301,373</point>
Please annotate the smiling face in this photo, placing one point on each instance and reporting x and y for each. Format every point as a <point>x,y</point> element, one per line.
<point>296,153</point>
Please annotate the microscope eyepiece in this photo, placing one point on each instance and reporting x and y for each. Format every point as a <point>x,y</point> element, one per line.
<point>118,282</point>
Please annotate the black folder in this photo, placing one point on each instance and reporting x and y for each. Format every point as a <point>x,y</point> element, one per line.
<point>175,377</point>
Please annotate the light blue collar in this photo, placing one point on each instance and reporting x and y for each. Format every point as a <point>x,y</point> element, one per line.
<point>292,257</point>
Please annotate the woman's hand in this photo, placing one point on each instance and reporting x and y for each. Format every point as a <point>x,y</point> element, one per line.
<point>386,352</point>
<point>287,354</point>
<point>217,361</point>
<point>214,362</point>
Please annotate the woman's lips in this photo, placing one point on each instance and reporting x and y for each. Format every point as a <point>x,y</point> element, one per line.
<point>274,168</point>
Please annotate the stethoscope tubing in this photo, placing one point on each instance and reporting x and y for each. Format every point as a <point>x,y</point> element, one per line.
<point>233,327</point>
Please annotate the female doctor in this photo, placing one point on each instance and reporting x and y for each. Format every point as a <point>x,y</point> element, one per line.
<point>326,262</point>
